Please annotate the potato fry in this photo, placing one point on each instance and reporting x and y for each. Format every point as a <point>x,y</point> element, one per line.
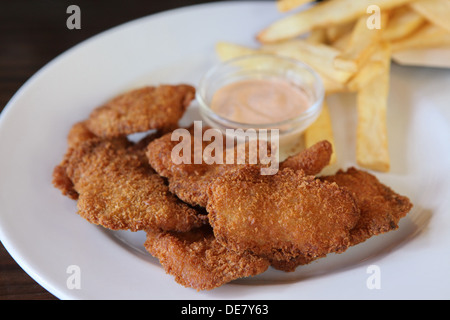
<point>321,129</point>
<point>318,36</point>
<point>372,140</point>
<point>375,66</point>
<point>322,15</point>
<point>428,36</point>
<point>351,56</point>
<point>362,43</point>
<point>332,86</point>
<point>318,56</point>
<point>402,22</point>
<point>342,43</point>
<point>369,71</point>
<point>287,5</point>
<point>335,32</point>
<point>435,11</point>
<point>227,51</point>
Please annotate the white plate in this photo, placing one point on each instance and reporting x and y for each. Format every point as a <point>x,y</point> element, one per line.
<point>40,227</point>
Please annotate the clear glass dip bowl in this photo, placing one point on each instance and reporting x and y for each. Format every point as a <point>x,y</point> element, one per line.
<point>262,66</point>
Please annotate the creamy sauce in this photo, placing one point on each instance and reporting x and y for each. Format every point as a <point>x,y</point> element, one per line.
<point>260,101</point>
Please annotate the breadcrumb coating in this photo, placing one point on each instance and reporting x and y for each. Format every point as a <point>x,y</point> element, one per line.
<point>141,110</point>
<point>198,261</point>
<point>280,216</point>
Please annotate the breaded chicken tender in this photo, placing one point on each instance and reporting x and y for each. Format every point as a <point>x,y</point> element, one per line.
<point>312,160</point>
<point>190,181</point>
<point>62,182</point>
<point>198,261</point>
<point>78,134</point>
<point>118,189</point>
<point>141,110</point>
<point>381,210</point>
<point>281,216</point>
<point>381,207</point>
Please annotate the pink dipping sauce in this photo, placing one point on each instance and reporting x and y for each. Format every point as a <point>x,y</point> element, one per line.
<point>260,101</point>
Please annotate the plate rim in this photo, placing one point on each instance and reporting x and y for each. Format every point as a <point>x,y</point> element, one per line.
<point>30,269</point>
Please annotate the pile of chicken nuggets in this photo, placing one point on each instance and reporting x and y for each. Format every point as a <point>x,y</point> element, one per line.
<point>209,224</point>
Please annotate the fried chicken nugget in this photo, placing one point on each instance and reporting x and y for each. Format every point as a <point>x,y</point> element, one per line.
<point>381,210</point>
<point>190,181</point>
<point>290,265</point>
<point>381,207</point>
<point>198,261</point>
<point>282,216</point>
<point>62,181</point>
<point>78,134</point>
<point>141,110</point>
<point>312,160</point>
<point>118,189</point>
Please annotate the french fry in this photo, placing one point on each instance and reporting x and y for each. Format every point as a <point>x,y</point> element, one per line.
<point>342,42</point>
<point>428,36</point>
<point>287,5</point>
<point>350,56</point>
<point>332,86</point>
<point>318,56</point>
<point>227,51</point>
<point>372,140</point>
<point>321,129</point>
<point>363,41</point>
<point>318,36</point>
<point>369,71</point>
<point>335,32</point>
<point>324,14</point>
<point>372,68</point>
<point>435,11</point>
<point>402,22</point>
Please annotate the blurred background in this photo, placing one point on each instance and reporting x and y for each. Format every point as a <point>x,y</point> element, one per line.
<point>32,33</point>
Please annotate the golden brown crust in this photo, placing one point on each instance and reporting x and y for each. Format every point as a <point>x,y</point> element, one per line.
<point>190,181</point>
<point>141,110</point>
<point>290,265</point>
<point>381,210</point>
<point>78,134</point>
<point>280,216</point>
<point>62,182</point>
<point>311,160</point>
<point>118,189</point>
<point>198,261</point>
<point>381,207</point>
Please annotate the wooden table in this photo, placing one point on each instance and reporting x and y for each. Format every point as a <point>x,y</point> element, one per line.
<point>33,32</point>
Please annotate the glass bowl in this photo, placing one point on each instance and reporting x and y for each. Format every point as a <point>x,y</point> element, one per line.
<point>263,66</point>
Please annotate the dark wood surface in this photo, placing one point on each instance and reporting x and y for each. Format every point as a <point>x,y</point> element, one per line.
<point>32,33</point>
